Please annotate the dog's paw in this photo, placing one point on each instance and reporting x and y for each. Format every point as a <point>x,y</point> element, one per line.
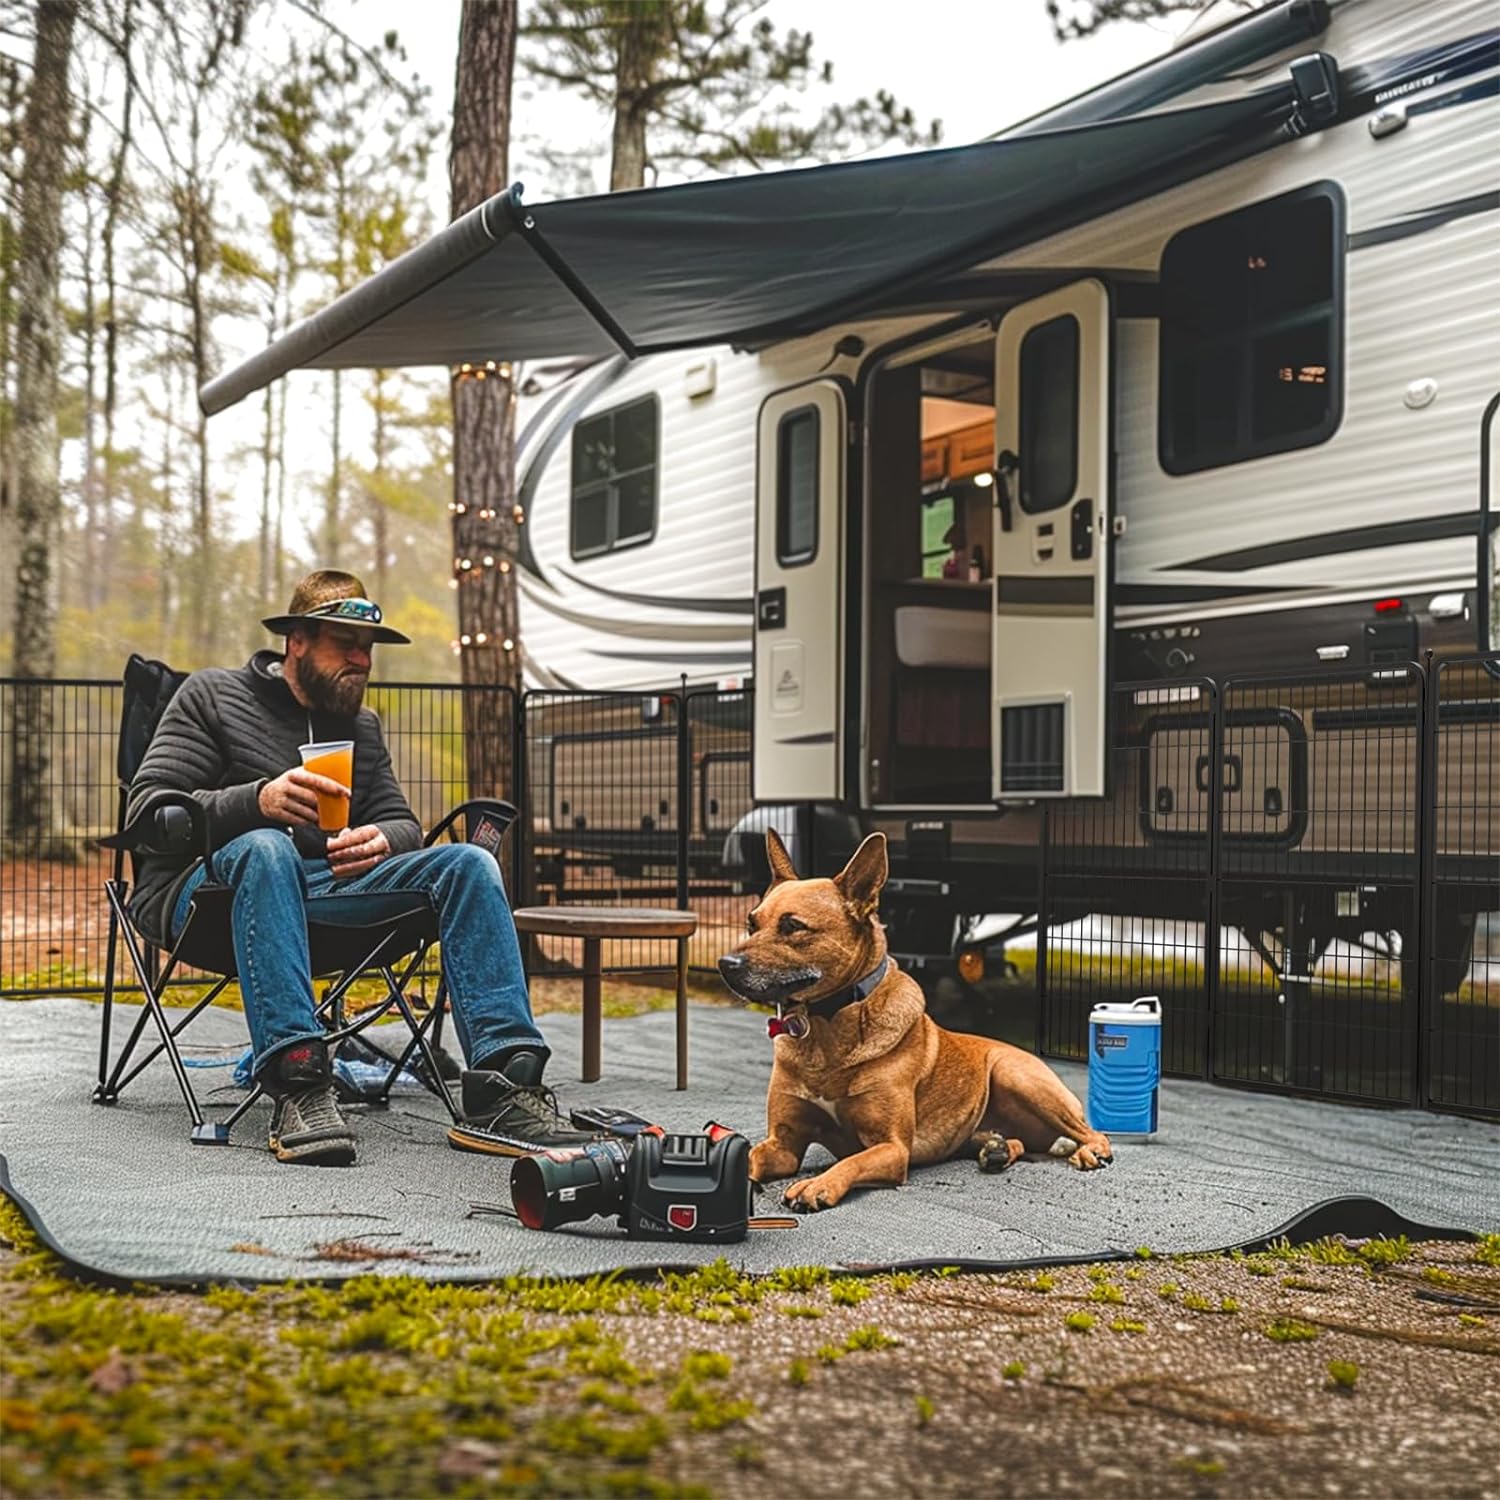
<point>811,1194</point>
<point>1092,1155</point>
<point>996,1153</point>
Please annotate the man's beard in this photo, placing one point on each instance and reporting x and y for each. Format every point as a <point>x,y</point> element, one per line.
<point>339,692</point>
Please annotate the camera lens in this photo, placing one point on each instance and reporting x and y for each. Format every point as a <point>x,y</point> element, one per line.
<point>557,1187</point>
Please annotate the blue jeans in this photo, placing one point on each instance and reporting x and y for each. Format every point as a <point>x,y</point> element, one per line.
<point>276,890</point>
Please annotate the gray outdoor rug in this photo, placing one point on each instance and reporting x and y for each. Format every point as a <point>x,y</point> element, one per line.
<point>121,1192</point>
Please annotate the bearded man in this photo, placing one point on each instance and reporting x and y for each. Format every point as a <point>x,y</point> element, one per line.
<point>231,739</point>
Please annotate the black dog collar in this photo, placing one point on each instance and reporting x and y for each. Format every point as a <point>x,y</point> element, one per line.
<point>795,1024</point>
<point>831,1005</point>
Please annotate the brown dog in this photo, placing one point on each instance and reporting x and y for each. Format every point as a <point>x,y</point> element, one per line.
<point>860,1068</point>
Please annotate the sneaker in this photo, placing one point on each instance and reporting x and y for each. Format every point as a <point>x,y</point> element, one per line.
<point>512,1113</point>
<point>306,1122</point>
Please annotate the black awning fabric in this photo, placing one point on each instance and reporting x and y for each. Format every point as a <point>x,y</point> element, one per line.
<point>742,260</point>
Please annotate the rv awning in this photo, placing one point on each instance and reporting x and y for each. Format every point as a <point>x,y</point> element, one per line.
<point>746,259</point>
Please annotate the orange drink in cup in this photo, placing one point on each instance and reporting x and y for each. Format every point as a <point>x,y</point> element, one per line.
<point>335,760</point>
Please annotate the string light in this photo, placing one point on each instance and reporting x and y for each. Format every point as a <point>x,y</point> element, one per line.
<point>509,644</point>
<point>480,639</point>
<point>465,563</point>
<point>500,369</point>
<point>489,561</point>
<point>463,640</point>
<point>518,514</point>
<point>504,565</point>
<point>453,583</point>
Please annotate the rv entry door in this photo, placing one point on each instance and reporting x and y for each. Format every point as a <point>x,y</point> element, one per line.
<point>799,593</point>
<point>1052,539</point>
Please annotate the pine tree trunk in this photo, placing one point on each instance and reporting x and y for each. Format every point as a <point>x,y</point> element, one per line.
<point>484,522</point>
<point>114,202</point>
<point>32,817</point>
<point>639,46</point>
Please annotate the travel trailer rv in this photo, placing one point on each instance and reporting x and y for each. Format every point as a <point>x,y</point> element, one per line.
<point>1191,378</point>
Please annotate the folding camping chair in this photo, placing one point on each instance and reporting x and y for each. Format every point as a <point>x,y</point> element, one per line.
<point>400,928</point>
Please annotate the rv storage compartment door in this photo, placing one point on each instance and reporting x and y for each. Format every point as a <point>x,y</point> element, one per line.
<point>1053,534</point>
<point>799,593</point>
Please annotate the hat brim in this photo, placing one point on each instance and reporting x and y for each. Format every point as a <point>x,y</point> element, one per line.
<point>285,624</point>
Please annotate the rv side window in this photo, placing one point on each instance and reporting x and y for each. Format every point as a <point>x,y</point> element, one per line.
<point>614,479</point>
<point>1252,332</point>
<point>797,487</point>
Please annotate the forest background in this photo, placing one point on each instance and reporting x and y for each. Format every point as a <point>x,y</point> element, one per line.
<point>223,167</point>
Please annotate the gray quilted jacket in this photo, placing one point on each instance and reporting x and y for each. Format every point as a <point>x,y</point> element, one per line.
<point>222,737</point>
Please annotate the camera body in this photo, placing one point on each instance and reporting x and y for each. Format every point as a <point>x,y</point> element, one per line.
<point>688,1187</point>
<point>660,1187</point>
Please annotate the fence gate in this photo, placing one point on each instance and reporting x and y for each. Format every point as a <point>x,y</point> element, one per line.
<point>1306,868</point>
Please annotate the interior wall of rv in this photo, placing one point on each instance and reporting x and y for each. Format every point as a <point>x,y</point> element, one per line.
<point>931,453</point>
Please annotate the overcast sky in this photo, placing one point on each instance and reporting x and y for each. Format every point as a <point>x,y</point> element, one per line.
<point>977,65</point>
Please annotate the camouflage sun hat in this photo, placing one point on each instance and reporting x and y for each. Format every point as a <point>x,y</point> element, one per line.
<point>340,597</point>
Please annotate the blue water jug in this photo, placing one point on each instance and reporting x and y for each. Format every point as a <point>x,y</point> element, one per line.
<point>1125,1066</point>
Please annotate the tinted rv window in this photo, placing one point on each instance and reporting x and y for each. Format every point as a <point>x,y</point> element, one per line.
<point>1252,332</point>
<point>614,479</point>
<point>1049,414</point>
<point>797,487</point>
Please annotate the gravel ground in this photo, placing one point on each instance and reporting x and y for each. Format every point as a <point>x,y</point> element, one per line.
<point>1202,1402</point>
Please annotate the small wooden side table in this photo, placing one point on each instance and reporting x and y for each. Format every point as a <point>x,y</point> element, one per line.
<point>595,923</point>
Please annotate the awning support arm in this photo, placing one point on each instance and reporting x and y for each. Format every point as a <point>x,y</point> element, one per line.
<point>525,222</point>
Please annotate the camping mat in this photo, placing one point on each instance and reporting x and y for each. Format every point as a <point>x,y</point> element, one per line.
<point>120,1190</point>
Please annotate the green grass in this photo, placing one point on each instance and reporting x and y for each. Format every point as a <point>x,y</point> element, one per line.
<point>361,1389</point>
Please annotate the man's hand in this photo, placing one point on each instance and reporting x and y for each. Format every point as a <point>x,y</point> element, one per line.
<point>293,796</point>
<point>356,850</point>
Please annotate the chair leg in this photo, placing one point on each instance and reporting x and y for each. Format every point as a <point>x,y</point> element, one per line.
<point>592,1010</point>
<point>682,1016</point>
<point>419,1035</point>
<point>109,1000</point>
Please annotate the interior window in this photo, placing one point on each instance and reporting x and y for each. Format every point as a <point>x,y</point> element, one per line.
<point>797,487</point>
<point>937,530</point>
<point>1252,332</point>
<point>614,479</point>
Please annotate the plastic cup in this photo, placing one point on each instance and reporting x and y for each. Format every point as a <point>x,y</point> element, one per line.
<point>335,760</point>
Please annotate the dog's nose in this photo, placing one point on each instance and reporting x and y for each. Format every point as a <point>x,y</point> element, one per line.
<point>731,966</point>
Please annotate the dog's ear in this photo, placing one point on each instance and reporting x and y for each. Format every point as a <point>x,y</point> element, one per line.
<point>861,879</point>
<point>781,861</point>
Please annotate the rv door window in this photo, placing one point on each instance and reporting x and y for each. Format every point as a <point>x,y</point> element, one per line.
<point>1252,332</point>
<point>797,487</point>
<point>614,479</point>
<point>1049,414</point>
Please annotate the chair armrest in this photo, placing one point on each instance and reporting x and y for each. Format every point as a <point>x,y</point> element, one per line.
<point>168,823</point>
<point>499,815</point>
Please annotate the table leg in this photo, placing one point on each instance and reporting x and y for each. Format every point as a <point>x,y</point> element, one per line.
<point>682,957</point>
<point>592,1010</point>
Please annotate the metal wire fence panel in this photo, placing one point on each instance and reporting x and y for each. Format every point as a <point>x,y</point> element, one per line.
<point>1318,880</point>
<point>1462,1024</point>
<point>1126,891</point>
<point>57,797</point>
<point>429,729</point>
<point>630,799</point>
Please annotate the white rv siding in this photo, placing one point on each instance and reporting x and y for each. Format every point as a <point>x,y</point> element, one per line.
<point>1425,307</point>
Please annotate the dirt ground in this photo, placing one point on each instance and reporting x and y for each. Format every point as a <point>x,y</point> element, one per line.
<point>1345,1370</point>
